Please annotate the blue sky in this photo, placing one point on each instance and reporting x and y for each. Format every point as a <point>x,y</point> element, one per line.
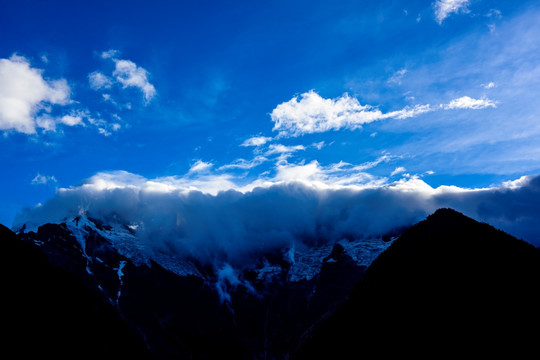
<point>219,95</point>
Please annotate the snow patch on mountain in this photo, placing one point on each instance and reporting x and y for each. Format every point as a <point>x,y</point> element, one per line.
<point>125,240</point>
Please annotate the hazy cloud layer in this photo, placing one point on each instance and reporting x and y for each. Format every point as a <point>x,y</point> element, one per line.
<point>237,224</point>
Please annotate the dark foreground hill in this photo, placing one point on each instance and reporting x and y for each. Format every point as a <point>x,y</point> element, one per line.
<point>448,286</point>
<point>47,311</point>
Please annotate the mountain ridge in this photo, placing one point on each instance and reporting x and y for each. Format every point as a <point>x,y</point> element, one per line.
<point>438,275</point>
<point>200,314</point>
<point>448,285</point>
<point>47,310</point>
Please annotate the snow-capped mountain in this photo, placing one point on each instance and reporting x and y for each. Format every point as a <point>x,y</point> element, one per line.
<point>443,284</point>
<point>185,307</point>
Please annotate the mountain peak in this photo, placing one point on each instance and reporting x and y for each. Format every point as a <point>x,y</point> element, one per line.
<point>448,282</point>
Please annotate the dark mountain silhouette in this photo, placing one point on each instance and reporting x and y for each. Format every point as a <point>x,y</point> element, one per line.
<point>183,316</point>
<point>47,311</point>
<point>448,286</point>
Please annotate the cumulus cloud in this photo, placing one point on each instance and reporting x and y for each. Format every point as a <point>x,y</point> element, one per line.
<point>129,74</point>
<point>444,8</point>
<point>466,102</point>
<point>311,113</point>
<point>126,73</point>
<point>29,102</point>
<point>26,97</point>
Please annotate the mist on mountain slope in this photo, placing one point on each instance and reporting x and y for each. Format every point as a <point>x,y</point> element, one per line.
<point>237,225</point>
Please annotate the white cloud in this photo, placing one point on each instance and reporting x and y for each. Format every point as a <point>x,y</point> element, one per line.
<point>398,170</point>
<point>43,179</point>
<point>489,85</point>
<point>131,75</point>
<point>126,73</point>
<point>110,54</point>
<point>256,141</point>
<point>72,120</point>
<point>99,81</point>
<point>283,149</point>
<point>409,112</point>
<point>494,13</point>
<point>397,77</point>
<point>46,122</point>
<point>244,164</point>
<point>104,127</point>
<point>297,209</point>
<point>200,166</point>
<point>24,94</point>
<point>312,113</point>
<point>443,8</point>
<point>466,102</point>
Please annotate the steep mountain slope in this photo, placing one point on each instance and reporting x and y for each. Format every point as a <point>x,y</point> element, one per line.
<point>448,286</point>
<point>48,311</point>
<point>186,309</point>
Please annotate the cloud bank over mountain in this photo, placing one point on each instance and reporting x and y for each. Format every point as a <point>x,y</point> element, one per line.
<point>237,224</point>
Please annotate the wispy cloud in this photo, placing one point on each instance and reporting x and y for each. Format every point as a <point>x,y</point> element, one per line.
<point>398,170</point>
<point>397,77</point>
<point>256,141</point>
<point>126,74</point>
<point>244,164</point>
<point>444,8</point>
<point>282,149</point>
<point>43,179</point>
<point>200,166</point>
